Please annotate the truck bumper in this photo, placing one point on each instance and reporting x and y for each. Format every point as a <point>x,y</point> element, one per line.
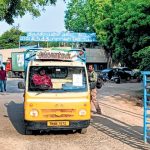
<point>74,125</point>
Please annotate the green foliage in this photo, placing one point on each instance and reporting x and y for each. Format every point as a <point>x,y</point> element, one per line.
<point>126,30</point>
<point>10,39</point>
<point>9,9</point>
<point>135,25</point>
<point>79,16</point>
<point>144,56</point>
<point>122,26</point>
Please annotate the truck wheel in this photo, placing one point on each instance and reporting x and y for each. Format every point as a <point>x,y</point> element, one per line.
<point>10,74</point>
<point>128,78</point>
<point>28,132</point>
<point>117,80</point>
<point>82,131</point>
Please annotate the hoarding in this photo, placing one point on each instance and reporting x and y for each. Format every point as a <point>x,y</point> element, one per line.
<point>61,34</point>
<point>17,61</point>
<point>59,37</point>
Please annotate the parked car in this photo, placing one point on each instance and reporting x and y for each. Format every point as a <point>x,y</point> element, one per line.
<point>107,74</point>
<point>128,70</point>
<point>123,74</point>
<point>115,74</point>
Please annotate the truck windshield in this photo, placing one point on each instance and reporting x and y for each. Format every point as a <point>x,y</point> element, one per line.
<point>57,79</point>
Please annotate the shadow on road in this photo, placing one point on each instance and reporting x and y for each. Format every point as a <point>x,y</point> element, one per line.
<point>15,114</point>
<point>120,110</point>
<point>127,134</point>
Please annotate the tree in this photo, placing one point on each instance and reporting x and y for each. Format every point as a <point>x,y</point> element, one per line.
<point>86,16</point>
<point>9,9</point>
<point>144,57</point>
<point>125,30</point>
<point>122,27</point>
<point>79,16</point>
<point>10,39</point>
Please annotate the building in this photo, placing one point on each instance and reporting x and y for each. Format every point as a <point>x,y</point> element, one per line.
<point>6,53</point>
<point>96,57</point>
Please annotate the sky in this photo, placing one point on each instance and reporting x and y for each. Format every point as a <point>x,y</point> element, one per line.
<point>52,20</point>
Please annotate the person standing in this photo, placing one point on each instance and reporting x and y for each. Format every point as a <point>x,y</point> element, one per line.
<point>3,79</point>
<point>92,80</point>
<point>82,55</point>
<point>42,79</point>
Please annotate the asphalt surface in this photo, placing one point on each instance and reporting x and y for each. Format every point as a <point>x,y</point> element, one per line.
<point>119,128</point>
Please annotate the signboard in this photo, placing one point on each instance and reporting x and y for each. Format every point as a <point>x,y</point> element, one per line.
<point>56,39</point>
<point>59,37</point>
<point>17,61</point>
<point>71,55</point>
<point>54,55</point>
<point>61,34</point>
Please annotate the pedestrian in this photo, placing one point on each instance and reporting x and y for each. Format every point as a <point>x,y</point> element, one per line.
<point>92,80</point>
<point>82,55</point>
<point>79,56</point>
<point>3,79</point>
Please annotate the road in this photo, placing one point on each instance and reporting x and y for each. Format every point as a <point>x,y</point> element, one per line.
<point>119,128</point>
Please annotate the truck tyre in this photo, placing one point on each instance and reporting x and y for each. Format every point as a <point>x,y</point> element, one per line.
<point>128,78</point>
<point>82,131</point>
<point>10,74</point>
<point>117,80</point>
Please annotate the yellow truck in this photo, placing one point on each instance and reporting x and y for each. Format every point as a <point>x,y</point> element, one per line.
<point>66,104</point>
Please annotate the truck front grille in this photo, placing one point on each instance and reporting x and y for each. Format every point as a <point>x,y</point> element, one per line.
<point>58,113</point>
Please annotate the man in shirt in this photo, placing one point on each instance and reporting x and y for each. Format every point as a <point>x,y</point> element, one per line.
<point>3,79</point>
<point>79,56</point>
<point>82,55</point>
<point>92,80</point>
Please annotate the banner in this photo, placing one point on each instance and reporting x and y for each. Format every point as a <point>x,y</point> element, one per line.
<point>59,37</point>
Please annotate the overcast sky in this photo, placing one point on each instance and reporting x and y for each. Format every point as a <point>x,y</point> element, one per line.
<point>50,20</point>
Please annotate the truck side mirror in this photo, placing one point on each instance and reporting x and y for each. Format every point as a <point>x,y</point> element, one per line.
<point>21,85</point>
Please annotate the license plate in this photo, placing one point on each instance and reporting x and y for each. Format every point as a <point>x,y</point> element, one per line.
<point>57,123</point>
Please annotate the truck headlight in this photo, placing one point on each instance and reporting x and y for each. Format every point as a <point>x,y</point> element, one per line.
<point>34,113</point>
<point>82,112</point>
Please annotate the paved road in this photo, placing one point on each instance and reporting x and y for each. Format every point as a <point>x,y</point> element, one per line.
<point>119,128</point>
<point>124,88</point>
